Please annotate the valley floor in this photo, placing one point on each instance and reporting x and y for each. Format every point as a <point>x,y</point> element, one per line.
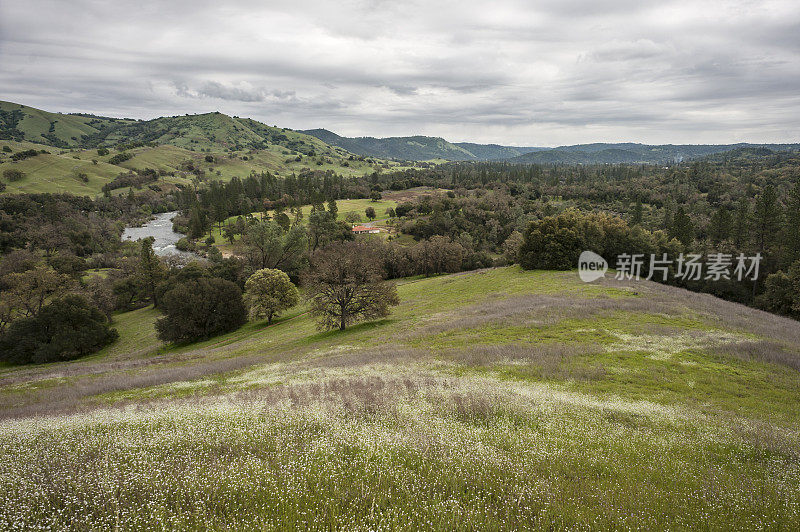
<point>494,399</point>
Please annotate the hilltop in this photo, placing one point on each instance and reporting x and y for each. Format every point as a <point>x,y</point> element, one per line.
<point>489,397</point>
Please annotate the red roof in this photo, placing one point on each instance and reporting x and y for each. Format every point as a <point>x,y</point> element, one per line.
<point>363,228</point>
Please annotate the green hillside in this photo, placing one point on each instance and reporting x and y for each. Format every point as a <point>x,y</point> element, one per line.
<point>178,146</point>
<point>23,123</point>
<point>490,152</point>
<point>416,148</point>
<point>489,399</point>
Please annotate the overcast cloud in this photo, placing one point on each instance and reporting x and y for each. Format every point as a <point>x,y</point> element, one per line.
<point>524,73</point>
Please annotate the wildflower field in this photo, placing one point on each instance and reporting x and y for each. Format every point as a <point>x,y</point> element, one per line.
<point>498,399</point>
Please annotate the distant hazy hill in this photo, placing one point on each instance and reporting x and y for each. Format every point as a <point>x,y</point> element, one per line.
<point>416,148</point>
<point>425,148</point>
<point>419,148</point>
<point>600,153</point>
<point>489,152</point>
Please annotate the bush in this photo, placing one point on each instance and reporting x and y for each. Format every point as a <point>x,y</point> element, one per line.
<point>102,151</point>
<point>65,329</point>
<point>120,158</point>
<point>12,174</point>
<point>20,155</point>
<point>67,263</point>
<point>403,209</point>
<point>184,244</point>
<point>200,309</point>
<point>779,294</point>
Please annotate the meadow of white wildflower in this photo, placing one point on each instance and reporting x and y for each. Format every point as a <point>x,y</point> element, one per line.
<point>493,400</point>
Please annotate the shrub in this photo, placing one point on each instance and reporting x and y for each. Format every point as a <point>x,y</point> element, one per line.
<point>199,309</point>
<point>184,244</point>
<point>20,155</point>
<point>65,329</point>
<point>120,158</point>
<point>67,263</point>
<point>12,174</point>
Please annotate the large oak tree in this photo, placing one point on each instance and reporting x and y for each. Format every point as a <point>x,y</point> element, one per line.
<point>346,285</point>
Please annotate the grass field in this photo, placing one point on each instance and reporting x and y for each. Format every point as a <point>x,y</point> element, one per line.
<point>59,170</point>
<point>390,200</point>
<point>496,399</point>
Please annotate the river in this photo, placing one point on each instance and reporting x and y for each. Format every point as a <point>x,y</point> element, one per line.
<point>160,228</point>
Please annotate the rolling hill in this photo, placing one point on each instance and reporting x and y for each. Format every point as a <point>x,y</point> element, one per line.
<point>69,160</point>
<point>602,153</point>
<point>491,399</point>
<point>427,148</point>
<point>209,131</point>
<point>415,148</point>
<point>419,148</point>
<point>22,123</point>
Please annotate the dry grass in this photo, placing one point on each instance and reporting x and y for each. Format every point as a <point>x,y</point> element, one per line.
<point>761,351</point>
<point>546,361</point>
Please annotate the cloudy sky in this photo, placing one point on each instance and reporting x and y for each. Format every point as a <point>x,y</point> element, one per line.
<point>539,73</point>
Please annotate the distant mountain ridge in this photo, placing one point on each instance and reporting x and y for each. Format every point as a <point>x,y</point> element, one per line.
<point>414,148</point>
<point>219,132</point>
<point>418,147</point>
<point>426,148</point>
<point>632,153</point>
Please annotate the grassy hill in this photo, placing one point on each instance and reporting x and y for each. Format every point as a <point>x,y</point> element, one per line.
<point>489,399</point>
<point>173,145</point>
<point>23,123</point>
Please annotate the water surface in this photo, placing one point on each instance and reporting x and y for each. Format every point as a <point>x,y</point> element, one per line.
<point>160,228</point>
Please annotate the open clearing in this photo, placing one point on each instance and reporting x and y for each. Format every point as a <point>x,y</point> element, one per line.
<point>489,399</point>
